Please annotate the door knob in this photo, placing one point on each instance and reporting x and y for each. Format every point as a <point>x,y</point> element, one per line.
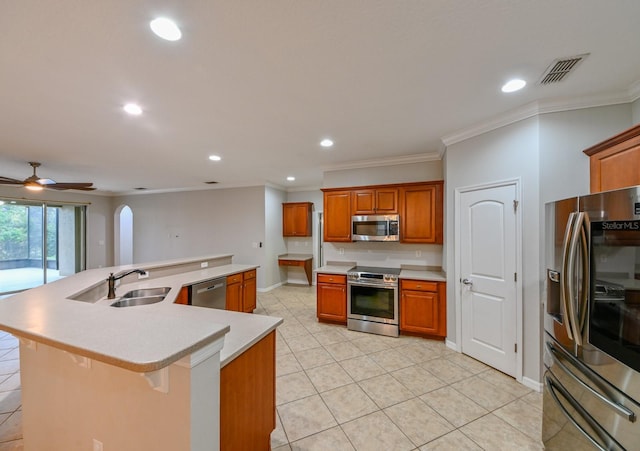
<point>468,282</point>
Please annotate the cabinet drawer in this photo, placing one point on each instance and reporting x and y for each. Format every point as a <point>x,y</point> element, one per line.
<point>290,263</point>
<point>419,285</point>
<point>331,278</point>
<point>250,274</point>
<point>234,278</point>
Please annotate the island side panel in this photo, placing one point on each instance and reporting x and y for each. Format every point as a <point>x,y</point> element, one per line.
<point>248,398</point>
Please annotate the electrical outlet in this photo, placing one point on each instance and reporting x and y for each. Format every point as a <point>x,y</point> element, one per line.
<point>204,264</point>
<point>143,276</point>
<point>97,445</point>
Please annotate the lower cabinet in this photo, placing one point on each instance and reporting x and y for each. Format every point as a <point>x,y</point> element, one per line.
<point>331,293</point>
<point>183,296</point>
<point>241,292</point>
<point>248,398</point>
<point>423,307</point>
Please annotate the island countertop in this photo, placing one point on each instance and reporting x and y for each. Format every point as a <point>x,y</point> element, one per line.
<point>141,338</point>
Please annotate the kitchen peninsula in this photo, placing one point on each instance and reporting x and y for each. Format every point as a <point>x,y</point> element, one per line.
<point>144,377</point>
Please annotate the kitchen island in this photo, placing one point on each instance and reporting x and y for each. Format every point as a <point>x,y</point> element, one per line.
<point>143,377</point>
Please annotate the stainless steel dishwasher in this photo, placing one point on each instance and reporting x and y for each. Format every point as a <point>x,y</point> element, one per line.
<point>210,293</point>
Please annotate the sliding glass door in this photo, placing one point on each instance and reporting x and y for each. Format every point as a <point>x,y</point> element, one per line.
<point>39,243</point>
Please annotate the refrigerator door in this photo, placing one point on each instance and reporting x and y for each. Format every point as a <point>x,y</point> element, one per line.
<point>581,410</point>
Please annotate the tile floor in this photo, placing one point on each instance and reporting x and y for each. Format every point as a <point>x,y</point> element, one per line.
<point>344,390</point>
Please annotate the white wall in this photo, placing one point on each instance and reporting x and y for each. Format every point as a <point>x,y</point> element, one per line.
<point>635,112</point>
<point>274,241</point>
<point>401,173</point>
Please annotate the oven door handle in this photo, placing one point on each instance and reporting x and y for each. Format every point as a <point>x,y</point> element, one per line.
<point>621,410</point>
<point>374,284</point>
<point>610,442</point>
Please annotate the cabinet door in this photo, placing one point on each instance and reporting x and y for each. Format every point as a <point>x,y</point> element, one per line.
<point>249,292</point>
<point>296,219</point>
<point>421,215</point>
<point>337,216</point>
<point>234,296</point>
<point>419,312</point>
<point>364,202</point>
<point>332,302</point>
<point>386,201</point>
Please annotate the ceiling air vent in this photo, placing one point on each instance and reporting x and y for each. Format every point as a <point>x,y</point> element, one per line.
<point>560,68</point>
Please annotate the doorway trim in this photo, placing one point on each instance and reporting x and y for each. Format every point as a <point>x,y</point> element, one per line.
<point>457,263</point>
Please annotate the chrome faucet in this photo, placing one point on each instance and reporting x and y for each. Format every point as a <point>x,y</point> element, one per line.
<point>112,280</point>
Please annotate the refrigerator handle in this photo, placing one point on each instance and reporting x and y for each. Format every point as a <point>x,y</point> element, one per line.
<point>585,237</point>
<point>565,293</point>
<point>618,408</point>
<point>556,389</point>
<point>576,236</point>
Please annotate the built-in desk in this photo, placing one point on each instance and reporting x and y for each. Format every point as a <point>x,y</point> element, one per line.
<point>301,260</point>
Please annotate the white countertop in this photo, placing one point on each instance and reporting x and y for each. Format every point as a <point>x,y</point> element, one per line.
<point>141,338</point>
<point>418,274</point>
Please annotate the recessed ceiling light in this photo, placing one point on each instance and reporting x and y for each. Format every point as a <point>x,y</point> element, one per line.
<point>513,85</point>
<point>291,178</point>
<point>214,158</point>
<point>326,143</point>
<point>133,109</point>
<point>165,28</point>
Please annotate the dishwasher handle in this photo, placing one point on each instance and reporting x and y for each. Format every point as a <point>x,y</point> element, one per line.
<point>209,288</point>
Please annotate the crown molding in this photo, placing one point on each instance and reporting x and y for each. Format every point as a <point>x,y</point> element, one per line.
<point>392,161</point>
<point>544,107</point>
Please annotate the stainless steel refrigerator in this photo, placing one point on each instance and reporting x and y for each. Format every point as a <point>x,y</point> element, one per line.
<point>592,322</point>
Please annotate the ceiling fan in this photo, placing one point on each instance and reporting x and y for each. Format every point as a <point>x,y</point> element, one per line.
<point>35,183</point>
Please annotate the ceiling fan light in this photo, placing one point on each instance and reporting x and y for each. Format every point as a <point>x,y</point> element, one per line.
<point>33,186</point>
<point>165,28</point>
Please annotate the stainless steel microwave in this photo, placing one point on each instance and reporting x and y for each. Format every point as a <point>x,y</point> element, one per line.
<point>375,228</point>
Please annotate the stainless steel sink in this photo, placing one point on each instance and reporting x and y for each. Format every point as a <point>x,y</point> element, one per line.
<point>143,296</point>
<point>146,292</point>
<point>132,302</point>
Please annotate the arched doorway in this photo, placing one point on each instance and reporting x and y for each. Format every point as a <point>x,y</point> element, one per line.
<point>123,235</point>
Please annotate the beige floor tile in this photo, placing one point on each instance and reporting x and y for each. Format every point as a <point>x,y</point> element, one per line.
<point>385,390</point>
<point>14,445</point>
<point>419,352</point>
<point>376,432</point>
<point>362,367</point>
<point>282,347</point>
<point>292,328</point>
<point>310,358</point>
<point>418,421</point>
<point>328,377</point>
<point>305,417</point>
<point>278,436</point>
<point>11,428</point>
<point>523,417</point>
<point>490,432</point>
<point>343,351</point>
<point>10,401</point>
<point>506,383</point>
<point>293,386</point>
<point>445,370</point>
<point>369,343</point>
<point>417,379</point>
<point>534,399</point>
<point>454,406</point>
<point>287,364</point>
<point>314,326</point>
<point>453,441</point>
<point>332,439</point>
<point>484,393</point>
<point>348,403</point>
<point>467,363</point>
<point>282,448</point>
<point>329,337</point>
<point>391,359</point>
<point>302,342</point>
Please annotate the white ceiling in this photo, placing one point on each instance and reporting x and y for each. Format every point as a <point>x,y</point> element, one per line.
<point>260,83</point>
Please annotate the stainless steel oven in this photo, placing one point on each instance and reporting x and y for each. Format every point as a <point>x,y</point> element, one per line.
<point>592,322</point>
<point>372,300</point>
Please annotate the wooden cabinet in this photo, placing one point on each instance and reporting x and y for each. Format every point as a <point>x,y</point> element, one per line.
<point>331,290</point>
<point>423,307</point>
<point>615,163</point>
<point>421,213</point>
<point>183,296</point>
<point>381,201</point>
<point>241,292</point>
<point>248,398</point>
<point>296,218</point>
<point>337,215</point>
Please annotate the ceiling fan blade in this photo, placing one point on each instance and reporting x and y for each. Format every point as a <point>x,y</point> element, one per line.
<point>10,181</point>
<point>79,186</point>
<point>46,181</point>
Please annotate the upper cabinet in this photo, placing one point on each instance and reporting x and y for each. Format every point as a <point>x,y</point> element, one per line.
<point>615,162</point>
<point>296,218</point>
<point>337,215</point>
<point>419,206</point>
<point>421,213</point>
<point>381,201</point>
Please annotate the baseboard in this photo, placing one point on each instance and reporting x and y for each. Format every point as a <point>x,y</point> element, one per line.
<point>451,345</point>
<point>533,385</point>
<point>272,287</point>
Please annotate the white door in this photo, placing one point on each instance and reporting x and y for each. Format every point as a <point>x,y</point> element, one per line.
<point>488,275</point>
